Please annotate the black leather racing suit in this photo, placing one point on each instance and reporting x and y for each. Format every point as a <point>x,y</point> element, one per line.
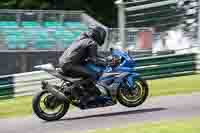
<point>74,58</point>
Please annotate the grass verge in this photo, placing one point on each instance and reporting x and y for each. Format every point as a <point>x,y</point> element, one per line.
<point>176,85</point>
<point>22,106</point>
<point>179,126</point>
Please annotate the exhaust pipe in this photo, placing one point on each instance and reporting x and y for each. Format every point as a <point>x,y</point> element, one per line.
<point>50,88</point>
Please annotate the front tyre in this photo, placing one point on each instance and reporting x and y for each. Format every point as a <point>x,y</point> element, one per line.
<point>135,96</point>
<point>47,107</point>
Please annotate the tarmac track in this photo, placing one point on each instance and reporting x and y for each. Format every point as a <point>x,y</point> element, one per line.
<point>154,109</point>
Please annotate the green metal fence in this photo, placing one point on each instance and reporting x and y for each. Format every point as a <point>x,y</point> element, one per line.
<point>154,67</point>
<point>166,66</point>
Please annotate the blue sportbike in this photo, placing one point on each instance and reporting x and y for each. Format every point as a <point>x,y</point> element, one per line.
<point>118,82</point>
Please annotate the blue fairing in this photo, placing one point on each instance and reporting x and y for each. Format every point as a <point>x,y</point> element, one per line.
<point>131,78</point>
<point>126,66</point>
<point>127,62</point>
<point>95,68</point>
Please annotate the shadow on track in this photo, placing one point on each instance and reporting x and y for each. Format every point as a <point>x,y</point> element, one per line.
<point>140,111</point>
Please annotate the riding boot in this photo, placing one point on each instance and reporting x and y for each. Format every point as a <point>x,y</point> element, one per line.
<point>85,100</point>
<point>90,94</point>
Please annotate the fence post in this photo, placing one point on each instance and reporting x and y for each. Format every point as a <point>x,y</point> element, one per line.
<point>121,21</point>
<point>197,60</point>
<point>198,23</point>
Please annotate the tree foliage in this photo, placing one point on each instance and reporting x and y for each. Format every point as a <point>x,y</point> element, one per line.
<point>103,10</point>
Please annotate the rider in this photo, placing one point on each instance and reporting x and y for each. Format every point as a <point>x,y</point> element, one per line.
<point>81,51</point>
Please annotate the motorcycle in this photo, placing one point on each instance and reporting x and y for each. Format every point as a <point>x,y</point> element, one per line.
<point>117,83</point>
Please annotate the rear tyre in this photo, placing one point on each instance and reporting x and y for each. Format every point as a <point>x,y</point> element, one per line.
<point>136,96</point>
<point>47,107</point>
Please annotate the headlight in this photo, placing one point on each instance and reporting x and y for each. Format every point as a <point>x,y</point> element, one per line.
<point>116,60</point>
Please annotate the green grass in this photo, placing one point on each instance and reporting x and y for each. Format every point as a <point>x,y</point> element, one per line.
<point>22,106</point>
<point>176,85</point>
<point>16,107</point>
<point>179,126</point>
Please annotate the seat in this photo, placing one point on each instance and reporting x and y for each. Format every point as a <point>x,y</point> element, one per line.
<point>8,24</point>
<point>62,75</point>
<point>43,41</point>
<point>14,42</point>
<point>52,24</point>
<point>78,25</point>
<point>60,71</point>
<point>30,24</point>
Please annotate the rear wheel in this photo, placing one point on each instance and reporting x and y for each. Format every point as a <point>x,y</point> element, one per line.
<point>135,96</point>
<point>47,107</point>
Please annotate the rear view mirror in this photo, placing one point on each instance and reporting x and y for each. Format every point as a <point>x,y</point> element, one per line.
<point>111,50</point>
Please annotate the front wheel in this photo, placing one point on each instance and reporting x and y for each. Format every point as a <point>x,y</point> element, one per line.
<point>135,96</point>
<point>47,107</point>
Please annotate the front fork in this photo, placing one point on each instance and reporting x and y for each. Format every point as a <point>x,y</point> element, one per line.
<point>131,80</point>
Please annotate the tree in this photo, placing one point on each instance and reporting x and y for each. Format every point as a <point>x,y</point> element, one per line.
<point>103,10</point>
<point>24,4</point>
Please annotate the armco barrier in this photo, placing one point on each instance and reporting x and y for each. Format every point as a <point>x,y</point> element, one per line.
<point>149,67</point>
<point>165,59</point>
<point>23,84</point>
